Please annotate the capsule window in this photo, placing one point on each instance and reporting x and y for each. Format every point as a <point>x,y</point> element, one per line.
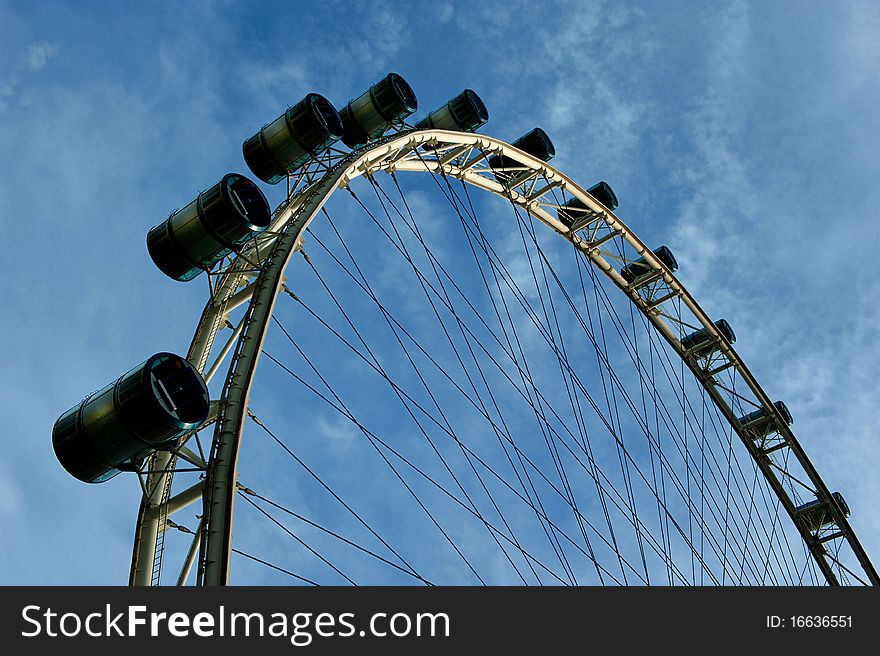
<point>178,390</point>
<point>249,201</point>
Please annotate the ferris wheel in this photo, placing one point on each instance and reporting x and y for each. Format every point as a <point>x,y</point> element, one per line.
<point>551,405</point>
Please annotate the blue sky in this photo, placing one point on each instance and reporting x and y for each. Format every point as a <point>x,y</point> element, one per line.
<point>744,135</point>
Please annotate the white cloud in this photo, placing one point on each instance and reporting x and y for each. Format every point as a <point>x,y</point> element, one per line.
<point>445,11</point>
<point>862,42</point>
<point>38,55</point>
<point>30,62</point>
<point>10,497</point>
<point>338,430</point>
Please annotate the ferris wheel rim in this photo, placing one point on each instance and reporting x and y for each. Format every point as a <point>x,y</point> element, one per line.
<point>291,218</point>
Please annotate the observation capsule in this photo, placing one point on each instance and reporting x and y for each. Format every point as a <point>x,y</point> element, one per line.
<point>603,192</point>
<point>760,417</point>
<point>219,220</point>
<point>701,343</point>
<point>464,113</point>
<point>816,514</point>
<point>574,209</point>
<point>302,132</point>
<point>144,410</point>
<point>640,267</point>
<point>387,102</point>
<point>536,143</point>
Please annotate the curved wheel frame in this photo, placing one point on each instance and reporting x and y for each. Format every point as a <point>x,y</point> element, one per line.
<point>255,276</point>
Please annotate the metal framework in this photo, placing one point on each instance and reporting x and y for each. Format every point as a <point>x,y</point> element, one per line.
<point>255,276</point>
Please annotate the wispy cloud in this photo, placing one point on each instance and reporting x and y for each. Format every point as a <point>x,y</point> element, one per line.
<point>32,61</point>
<point>37,55</point>
<point>10,497</point>
<point>338,430</point>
